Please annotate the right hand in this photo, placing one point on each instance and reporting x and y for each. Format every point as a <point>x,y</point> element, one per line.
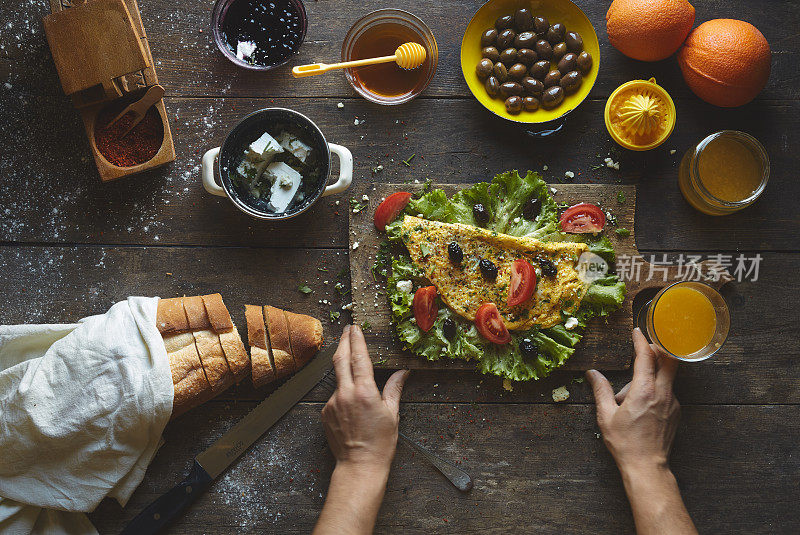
<point>639,423</point>
<point>360,423</point>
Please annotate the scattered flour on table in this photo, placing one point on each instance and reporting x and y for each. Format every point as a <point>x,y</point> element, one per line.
<point>51,188</point>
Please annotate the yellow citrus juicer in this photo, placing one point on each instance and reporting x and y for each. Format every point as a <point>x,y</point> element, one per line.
<point>640,115</point>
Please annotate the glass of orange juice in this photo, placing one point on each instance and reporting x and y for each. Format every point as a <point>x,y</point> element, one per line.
<point>688,320</point>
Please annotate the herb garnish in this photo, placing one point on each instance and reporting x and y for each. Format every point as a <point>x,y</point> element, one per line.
<point>622,232</point>
<point>303,288</point>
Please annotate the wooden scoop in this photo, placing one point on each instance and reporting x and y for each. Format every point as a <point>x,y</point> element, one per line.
<point>140,107</point>
<point>408,56</point>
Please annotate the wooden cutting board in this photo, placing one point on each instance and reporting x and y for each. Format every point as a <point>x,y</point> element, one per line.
<point>606,343</point>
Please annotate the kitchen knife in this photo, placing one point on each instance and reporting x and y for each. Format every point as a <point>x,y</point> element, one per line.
<point>214,460</point>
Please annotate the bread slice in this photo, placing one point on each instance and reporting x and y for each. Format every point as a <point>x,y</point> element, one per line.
<point>229,339</point>
<point>279,345</point>
<point>263,371</point>
<point>305,337</point>
<point>189,382</point>
<point>170,317</point>
<point>208,345</point>
<point>218,313</point>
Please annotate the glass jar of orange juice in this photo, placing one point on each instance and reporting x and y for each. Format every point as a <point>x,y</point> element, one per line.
<point>724,173</point>
<point>687,321</point>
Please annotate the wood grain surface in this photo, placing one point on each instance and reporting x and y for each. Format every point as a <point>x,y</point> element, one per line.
<point>71,246</point>
<point>537,469</point>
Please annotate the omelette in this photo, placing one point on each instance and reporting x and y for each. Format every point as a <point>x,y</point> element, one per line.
<point>463,287</point>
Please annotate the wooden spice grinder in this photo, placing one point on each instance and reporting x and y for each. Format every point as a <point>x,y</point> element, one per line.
<point>103,59</point>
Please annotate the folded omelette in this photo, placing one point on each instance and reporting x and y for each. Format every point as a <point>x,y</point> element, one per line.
<point>464,289</point>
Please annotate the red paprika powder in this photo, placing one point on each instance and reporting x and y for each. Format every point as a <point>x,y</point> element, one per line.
<point>138,146</point>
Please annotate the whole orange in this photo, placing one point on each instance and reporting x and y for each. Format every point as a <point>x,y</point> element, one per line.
<point>649,30</point>
<point>726,62</point>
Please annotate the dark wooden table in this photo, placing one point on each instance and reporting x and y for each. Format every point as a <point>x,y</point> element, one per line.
<point>71,246</point>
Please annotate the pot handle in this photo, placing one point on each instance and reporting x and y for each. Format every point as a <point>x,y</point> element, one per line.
<point>540,134</point>
<point>207,173</point>
<point>345,170</point>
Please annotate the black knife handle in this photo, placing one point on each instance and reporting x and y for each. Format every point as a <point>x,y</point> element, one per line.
<point>165,509</point>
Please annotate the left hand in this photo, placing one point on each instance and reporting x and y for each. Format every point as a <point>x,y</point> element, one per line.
<point>361,424</point>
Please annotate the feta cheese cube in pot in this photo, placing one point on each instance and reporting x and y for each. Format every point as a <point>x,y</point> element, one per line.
<point>263,149</point>
<point>285,182</point>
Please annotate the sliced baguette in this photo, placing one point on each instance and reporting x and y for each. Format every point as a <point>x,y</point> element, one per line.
<point>189,382</point>
<point>208,345</point>
<point>305,337</point>
<point>170,317</point>
<point>279,345</point>
<point>263,371</point>
<point>231,342</point>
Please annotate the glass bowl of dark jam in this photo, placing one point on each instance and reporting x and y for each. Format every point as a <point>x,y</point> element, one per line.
<point>259,34</point>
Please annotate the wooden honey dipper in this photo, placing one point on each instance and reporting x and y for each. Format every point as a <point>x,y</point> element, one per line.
<point>408,56</point>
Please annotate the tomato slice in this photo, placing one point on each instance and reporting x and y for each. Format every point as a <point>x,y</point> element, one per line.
<point>425,309</point>
<point>582,218</point>
<point>490,324</point>
<point>388,210</point>
<point>523,282</point>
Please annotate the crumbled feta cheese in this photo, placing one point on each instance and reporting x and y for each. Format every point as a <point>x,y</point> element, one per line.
<point>355,245</point>
<point>340,105</point>
<point>672,151</point>
<point>7,85</point>
<point>249,170</point>
<point>337,203</point>
<point>419,215</point>
<point>404,286</point>
<point>571,323</point>
<point>516,220</point>
<point>545,168</point>
<point>364,198</point>
<point>290,143</point>
<point>553,191</point>
<point>245,49</point>
<point>569,174</point>
<point>611,164</point>
<point>560,394</point>
<point>356,122</point>
<point>348,306</point>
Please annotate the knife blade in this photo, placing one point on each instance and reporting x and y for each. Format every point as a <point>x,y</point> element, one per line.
<point>215,459</point>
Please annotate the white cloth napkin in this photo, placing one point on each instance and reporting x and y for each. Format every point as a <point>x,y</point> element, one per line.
<point>82,409</point>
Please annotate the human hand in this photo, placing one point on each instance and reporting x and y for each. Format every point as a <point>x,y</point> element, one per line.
<point>360,423</point>
<point>639,423</point>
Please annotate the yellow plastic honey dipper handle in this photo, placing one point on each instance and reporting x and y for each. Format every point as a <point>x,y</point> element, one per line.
<point>407,56</point>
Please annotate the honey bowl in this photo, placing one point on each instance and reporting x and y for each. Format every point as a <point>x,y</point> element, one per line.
<point>379,34</point>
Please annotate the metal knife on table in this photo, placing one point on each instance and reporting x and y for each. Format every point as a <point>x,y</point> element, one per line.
<point>214,460</point>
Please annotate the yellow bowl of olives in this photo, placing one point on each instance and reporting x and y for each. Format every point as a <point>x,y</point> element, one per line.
<point>531,61</point>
